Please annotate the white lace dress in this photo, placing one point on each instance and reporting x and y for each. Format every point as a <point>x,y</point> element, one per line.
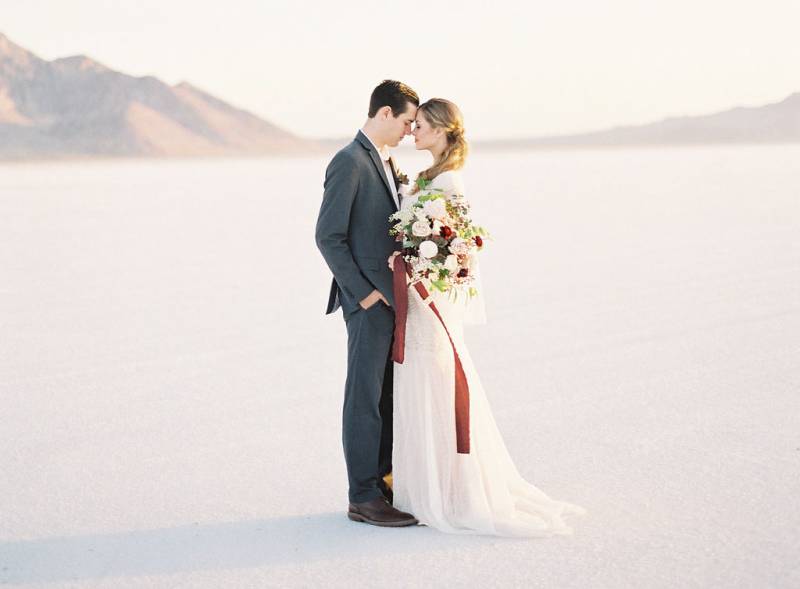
<point>477,493</point>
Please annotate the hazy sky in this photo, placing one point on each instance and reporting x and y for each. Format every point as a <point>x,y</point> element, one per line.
<point>515,68</point>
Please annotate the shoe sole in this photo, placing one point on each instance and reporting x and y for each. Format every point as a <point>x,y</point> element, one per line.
<point>357,517</point>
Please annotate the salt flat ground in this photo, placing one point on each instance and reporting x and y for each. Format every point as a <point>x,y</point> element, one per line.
<point>171,390</point>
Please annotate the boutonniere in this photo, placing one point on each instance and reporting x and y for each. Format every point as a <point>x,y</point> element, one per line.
<point>401,177</point>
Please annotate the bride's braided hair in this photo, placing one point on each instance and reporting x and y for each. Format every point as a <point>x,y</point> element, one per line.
<point>443,114</point>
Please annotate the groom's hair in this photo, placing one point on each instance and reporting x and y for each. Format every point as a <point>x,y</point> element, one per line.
<point>393,94</point>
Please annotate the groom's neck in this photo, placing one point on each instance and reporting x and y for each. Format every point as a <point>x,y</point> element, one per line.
<point>370,131</point>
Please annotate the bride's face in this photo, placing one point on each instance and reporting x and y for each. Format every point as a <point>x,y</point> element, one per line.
<point>426,136</point>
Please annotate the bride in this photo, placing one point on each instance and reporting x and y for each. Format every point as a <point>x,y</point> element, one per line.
<point>480,490</point>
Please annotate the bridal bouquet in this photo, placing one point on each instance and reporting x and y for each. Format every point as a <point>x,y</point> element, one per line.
<point>439,240</point>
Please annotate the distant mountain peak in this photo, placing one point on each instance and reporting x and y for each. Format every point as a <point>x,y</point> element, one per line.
<point>79,63</point>
<point>12,53</point>
<point>793,98</point>
<point>187,86</point>
<point>7,45</point>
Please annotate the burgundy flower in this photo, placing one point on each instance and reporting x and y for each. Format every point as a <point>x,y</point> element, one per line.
<point>446,232</point>
<point>478,241</point>
<point>463,273</point>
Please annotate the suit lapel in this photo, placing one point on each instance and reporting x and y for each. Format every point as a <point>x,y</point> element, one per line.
<point>373,153</point>
<point>396,177</point>
<point>393,167</point>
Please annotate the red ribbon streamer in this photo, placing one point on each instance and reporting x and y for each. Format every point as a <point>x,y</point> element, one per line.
<point>400,288</point>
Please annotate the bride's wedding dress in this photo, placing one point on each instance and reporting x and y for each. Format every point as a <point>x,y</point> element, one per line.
<point>480,492</point>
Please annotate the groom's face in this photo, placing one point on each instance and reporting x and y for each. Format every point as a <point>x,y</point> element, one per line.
<point>400,126</point>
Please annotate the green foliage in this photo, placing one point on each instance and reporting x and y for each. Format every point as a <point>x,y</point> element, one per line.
<point>439,285</point>
<point>431,196</point>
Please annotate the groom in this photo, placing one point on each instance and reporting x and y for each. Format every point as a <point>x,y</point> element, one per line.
<point>353,235</point>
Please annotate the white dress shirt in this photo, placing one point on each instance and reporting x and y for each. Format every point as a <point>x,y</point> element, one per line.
<point>387,168</point>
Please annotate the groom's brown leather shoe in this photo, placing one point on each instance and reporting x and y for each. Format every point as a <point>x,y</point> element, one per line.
<point>378,512</point>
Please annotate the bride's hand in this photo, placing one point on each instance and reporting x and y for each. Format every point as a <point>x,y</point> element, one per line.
<point>391,260</point>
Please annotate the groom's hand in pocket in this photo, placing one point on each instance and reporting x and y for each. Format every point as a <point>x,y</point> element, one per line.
<point>373,298</point>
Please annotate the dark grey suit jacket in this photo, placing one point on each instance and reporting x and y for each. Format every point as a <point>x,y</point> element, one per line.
<point>353,225</point>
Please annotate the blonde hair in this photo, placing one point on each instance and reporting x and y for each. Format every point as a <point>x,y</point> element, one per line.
<point>443,114</point>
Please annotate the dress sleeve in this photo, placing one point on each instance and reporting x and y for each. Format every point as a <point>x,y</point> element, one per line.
<point>474,308</point>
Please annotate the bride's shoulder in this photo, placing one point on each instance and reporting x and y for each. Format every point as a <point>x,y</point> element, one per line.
<point>447,175</point>
<point>449,180</point>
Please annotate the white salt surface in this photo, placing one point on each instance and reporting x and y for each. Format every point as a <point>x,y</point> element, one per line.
<point>171,390</point>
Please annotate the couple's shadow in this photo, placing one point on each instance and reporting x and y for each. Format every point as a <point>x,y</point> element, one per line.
<point>213,546</point>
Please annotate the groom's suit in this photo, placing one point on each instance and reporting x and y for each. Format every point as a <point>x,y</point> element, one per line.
<point>352,234</point>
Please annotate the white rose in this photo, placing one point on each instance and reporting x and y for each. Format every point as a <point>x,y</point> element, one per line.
<point>459,246</point>
<point>437,226</point>
<point>421,228</point>
<point>421,264</point>
<point>451,263</point>
<point>405,216</point>
<point>428,249</point>
<point>435,208</point>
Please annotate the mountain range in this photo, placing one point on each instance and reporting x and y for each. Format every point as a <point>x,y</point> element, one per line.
<point>772,123</point>
<point>77,107</point>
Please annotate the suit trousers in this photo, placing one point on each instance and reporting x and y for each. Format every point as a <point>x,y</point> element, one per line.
<point>367,411</point>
